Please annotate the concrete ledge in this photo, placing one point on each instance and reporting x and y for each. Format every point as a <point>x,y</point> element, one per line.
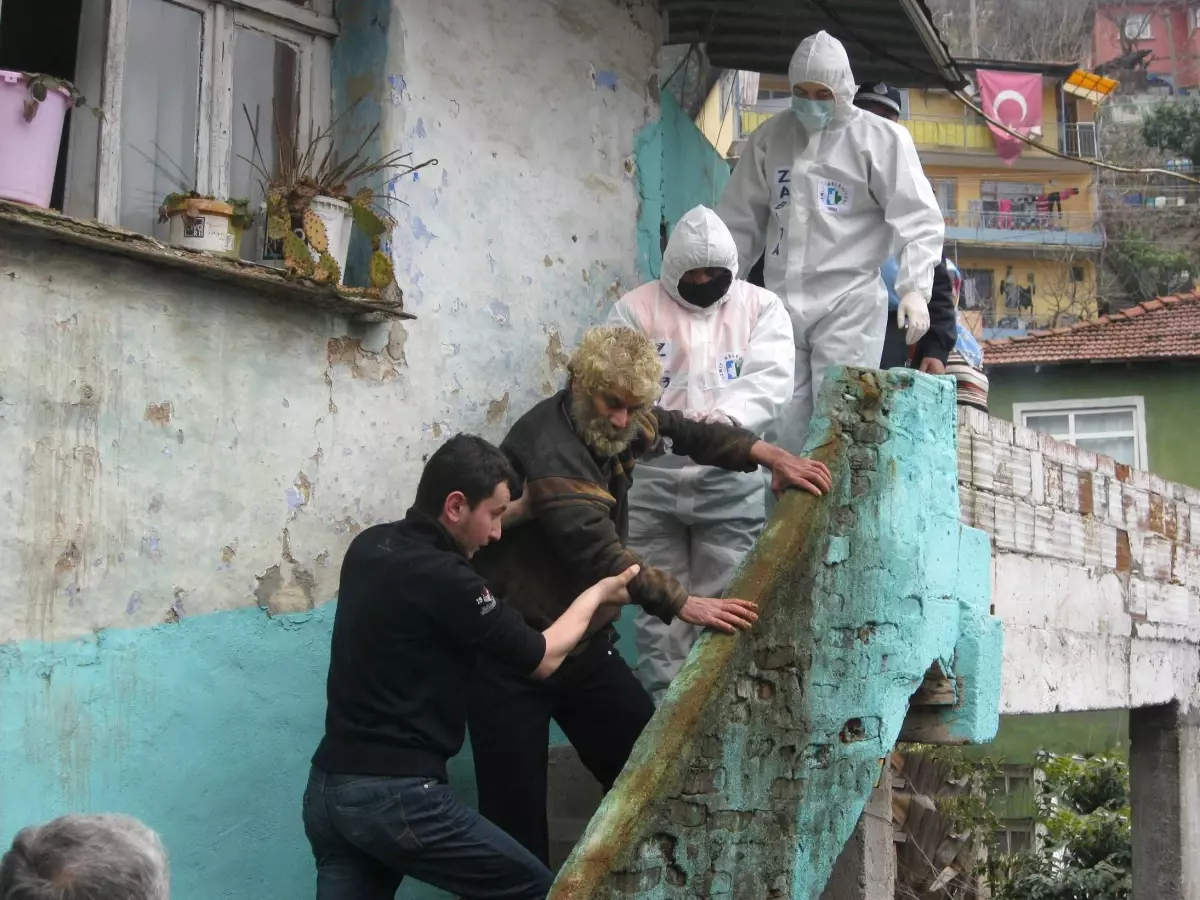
<point>17,219</point>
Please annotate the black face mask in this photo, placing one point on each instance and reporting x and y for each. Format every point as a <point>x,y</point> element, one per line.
<point>705,295</point>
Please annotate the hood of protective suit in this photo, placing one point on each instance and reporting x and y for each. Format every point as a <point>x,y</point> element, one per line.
<point>822,58</point>
<point>700,241</point>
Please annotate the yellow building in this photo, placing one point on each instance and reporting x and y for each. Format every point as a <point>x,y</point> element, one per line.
<point>1026,237</point>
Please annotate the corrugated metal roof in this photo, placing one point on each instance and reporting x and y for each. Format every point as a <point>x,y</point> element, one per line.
<point>888,40</point>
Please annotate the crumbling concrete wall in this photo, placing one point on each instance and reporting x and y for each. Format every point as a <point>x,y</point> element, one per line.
<point>756,767</point>
<point>1096,571</point>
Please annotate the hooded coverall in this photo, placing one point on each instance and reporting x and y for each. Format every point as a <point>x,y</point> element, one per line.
<point>827,209</point>
<point>731,362</point>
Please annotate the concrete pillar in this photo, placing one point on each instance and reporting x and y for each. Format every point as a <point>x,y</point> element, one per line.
<point>1164,781</point>
<point>866,870</point>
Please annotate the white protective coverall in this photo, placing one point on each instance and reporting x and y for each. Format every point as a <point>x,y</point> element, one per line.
<point>730,362</point>
<point>828,208</point>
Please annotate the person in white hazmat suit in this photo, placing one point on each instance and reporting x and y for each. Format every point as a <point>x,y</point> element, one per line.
<point>828,192</point>
<point>728,356</point>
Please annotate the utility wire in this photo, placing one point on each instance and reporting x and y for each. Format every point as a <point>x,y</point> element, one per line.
<point>1111,167</point>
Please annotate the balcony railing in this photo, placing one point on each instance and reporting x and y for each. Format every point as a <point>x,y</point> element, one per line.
<point>1024,226</point>
<point>963,134</point>
<point>1079,139</point>
<point>952,133</point>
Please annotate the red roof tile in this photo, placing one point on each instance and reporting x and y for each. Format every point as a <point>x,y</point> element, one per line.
<point>1164,328</point>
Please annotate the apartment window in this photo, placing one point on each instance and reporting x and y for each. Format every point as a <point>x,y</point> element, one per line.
<point>978,289</point>
<point>1194,18</point>
<point>1014,837</point>
<point>1137,27</point>
<point>175,79</point>
<point>1009,205</point>
<point>946,190</point>
<point>1078,275</point>
<point>904,107</point>
<point>1114,427</point>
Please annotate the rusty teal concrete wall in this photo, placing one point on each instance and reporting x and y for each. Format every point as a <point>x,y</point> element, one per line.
<point>758,764</point>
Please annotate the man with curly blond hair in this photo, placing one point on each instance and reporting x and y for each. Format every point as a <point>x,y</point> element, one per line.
<point>576,452</point>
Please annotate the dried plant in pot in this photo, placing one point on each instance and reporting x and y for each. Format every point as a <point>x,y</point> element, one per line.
<point>202,222</point>
<point>311,208</point>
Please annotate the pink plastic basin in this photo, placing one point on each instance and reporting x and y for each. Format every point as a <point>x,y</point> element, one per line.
<point>28,150</point>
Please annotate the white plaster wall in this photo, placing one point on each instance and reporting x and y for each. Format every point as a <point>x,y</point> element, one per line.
<point>1095,571</point>
<point>289,431</point>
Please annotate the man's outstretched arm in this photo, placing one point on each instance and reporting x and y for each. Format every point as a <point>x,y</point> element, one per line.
<point>739,450</point>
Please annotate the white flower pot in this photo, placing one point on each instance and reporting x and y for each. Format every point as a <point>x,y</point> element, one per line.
<point>339,223</point>
<point>197,224</point>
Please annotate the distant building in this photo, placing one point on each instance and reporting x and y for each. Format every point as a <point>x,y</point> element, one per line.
<point>1121,385</point>
<point>1169,29</point>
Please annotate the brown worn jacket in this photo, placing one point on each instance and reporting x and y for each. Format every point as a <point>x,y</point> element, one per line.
<point>580,510</point>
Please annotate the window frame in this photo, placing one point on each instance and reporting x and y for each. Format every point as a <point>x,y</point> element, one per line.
<point>309,29</point>
<point>1145,33</point>
<point>1071,408</point>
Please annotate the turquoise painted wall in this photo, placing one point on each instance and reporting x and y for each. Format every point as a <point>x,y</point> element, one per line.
<point>1169,391</point>
<point>759,761</point>
<point>202,729</point>
<point>677,170</point>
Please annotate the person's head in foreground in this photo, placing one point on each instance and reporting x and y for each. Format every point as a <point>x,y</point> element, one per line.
<point>615,376</point>
<point>880,100</point>
<point>700,260</point>
<point>94,857</point>
<point>822,83</point>
<point>467,485</point>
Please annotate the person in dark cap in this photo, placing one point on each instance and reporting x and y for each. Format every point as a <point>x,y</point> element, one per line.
<point>930,353</point>
<point>880,99</point>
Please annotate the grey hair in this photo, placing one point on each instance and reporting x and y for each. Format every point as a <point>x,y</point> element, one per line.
<point>95,857</point>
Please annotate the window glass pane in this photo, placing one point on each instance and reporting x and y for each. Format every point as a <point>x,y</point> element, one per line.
<point>1050,423</point>
<point>1103,422</point>
<point>265,93</point>
<point>159,110</point>
<point>1123,449</point>
<point>1019,841</point>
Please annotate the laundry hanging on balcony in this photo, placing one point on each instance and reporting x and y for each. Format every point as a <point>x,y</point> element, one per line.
<point>1015,100</point>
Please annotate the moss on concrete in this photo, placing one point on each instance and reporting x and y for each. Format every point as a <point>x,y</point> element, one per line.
<point>755,769</point>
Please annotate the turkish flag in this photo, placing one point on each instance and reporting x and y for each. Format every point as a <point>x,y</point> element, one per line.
<point>1014,99</point>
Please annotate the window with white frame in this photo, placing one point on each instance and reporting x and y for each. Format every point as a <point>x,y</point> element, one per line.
<point>1113,427</point>
<point>183,86</point>
<point>1137,27</point>
<point>1194,18</point>
<point>1015,836</point>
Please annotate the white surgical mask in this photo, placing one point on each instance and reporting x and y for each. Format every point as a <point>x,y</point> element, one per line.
<point>813,114</point>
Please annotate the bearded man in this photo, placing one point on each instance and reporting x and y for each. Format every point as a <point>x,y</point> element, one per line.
<point>576,451</point>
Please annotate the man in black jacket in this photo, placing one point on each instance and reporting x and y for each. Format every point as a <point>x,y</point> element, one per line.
<point>933,349</point>
<point>576,451</point>
<point>412,617</point>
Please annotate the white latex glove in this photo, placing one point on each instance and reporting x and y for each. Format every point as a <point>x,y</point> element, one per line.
<point>715,417</point>
<point>913,314</point>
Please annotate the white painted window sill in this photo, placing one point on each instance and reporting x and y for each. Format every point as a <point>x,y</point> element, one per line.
<point>351,303</point>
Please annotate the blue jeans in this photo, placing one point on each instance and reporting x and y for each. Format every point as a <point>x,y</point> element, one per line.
<point>367,832</point>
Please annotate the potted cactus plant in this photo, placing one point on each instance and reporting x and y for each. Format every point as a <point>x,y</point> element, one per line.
<point>311,209</point>
<point>33,108</point>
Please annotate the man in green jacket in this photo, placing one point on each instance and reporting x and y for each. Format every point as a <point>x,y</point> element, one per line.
<point>576,451</point>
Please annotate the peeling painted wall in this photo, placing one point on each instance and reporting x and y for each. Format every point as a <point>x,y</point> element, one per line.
<point>170,448</point>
